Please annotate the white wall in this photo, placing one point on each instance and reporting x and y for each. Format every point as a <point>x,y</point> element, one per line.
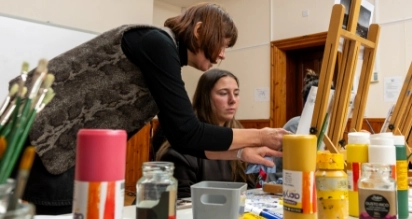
<point>394,50</point>
<point>92,15</point>
<point>258,22</point>
<point>162,11</point>
<point>287,19</point>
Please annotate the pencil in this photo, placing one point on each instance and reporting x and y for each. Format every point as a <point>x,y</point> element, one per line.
<point>23,174</point>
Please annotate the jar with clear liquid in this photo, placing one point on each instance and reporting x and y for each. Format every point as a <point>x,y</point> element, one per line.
<point>377,192</point>
<point>156,192</point>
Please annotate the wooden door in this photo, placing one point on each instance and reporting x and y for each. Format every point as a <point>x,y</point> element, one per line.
<point>298,62</point>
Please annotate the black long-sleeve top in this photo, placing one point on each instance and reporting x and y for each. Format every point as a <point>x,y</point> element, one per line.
<point>155,53</point>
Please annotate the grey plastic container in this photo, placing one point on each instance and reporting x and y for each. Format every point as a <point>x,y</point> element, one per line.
<point>212,199</point>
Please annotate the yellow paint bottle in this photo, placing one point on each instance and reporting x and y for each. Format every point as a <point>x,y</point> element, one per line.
<point>331,186</point>
<point>299,166</point>
<point>356,153</point>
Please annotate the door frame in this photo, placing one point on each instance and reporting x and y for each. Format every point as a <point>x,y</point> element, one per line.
<point>278,71</point>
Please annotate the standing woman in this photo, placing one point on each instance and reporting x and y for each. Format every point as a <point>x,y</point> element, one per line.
<point>120,80</point>
<point>215,101</point>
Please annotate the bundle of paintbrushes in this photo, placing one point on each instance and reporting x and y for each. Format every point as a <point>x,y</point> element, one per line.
<point>18,112</point>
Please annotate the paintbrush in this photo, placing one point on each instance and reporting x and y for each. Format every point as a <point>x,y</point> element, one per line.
<point>20,94</point>
<point>13,90</point>
<point>5,124</point>
<point>18,125</point>
<point>22,138</point>
<point>22,176</point>
<point>37,80</point>
<point>48,81</point>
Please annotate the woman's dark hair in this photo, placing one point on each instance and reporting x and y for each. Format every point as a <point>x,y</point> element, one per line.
<point>215,28</point>
<point>310,79</point>
<point>201,98</point>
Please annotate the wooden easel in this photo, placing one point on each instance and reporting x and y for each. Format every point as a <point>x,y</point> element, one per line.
<point>346,74</point>
<point>401,119</point>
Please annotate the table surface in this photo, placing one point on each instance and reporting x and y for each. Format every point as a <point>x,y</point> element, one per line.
<point>129,212</point>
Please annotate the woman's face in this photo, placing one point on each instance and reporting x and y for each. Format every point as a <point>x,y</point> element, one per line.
<point>199,60</point>
<point>224,99</point>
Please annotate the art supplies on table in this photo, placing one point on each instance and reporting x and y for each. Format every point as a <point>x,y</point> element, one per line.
<point>183,203</point>
<point>156,191</point>
<point>357,154</point>
<point>331,186</point>
<point>29,93</point>
<point>257,201</point>
<point>99,193</point>
<point>377,192</point>
<point>299,166</point>
<point>218,199</point>
<point>18,111</point>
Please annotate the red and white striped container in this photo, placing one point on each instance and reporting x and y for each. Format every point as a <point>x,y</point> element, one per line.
<point>99,174</point>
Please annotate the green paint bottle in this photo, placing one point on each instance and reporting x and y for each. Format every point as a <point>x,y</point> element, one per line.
<point>401,176</point>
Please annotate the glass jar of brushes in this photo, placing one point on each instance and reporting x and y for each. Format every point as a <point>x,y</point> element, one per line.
<point>156,191</point>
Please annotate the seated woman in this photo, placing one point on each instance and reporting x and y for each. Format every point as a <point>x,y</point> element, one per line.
<point>215,101</point>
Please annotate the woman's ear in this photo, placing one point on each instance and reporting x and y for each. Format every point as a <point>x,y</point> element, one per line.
<point>196,29</point>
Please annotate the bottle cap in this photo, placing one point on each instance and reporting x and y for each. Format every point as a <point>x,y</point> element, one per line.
<point>399,140</point>
<point>358,138</point>
<point>100,155</point>
<point>327,160</point>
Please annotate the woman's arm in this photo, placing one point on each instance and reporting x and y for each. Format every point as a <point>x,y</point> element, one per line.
<point>271,137</point>
<point>249,154</point>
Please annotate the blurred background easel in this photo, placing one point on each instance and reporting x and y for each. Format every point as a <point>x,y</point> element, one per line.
<point>401,118</point>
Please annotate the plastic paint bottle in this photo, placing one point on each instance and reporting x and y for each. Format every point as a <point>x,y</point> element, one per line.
<point>299,166</point>
<point>357,153</point>
<point>402,176</point>
<point>382,150</point>
<point>331,186</point>
<point>99,174</point>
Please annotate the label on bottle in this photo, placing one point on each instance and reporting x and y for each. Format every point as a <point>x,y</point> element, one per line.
<point>354,173</point>
<point>402,174</point>
<point>299,194</point>
<point>332,195</point>
<point>98,199</point>
<point>377,204</point>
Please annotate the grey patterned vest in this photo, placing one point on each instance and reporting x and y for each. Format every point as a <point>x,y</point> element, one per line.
<point>97,87</point>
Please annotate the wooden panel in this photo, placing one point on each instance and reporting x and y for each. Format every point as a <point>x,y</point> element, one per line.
<point>257,123</point>
<point>278,88</point>
<point>138,151</point>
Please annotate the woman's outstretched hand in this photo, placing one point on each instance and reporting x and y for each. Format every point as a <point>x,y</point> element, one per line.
<point>256,155</point>
<point>272,137</point>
